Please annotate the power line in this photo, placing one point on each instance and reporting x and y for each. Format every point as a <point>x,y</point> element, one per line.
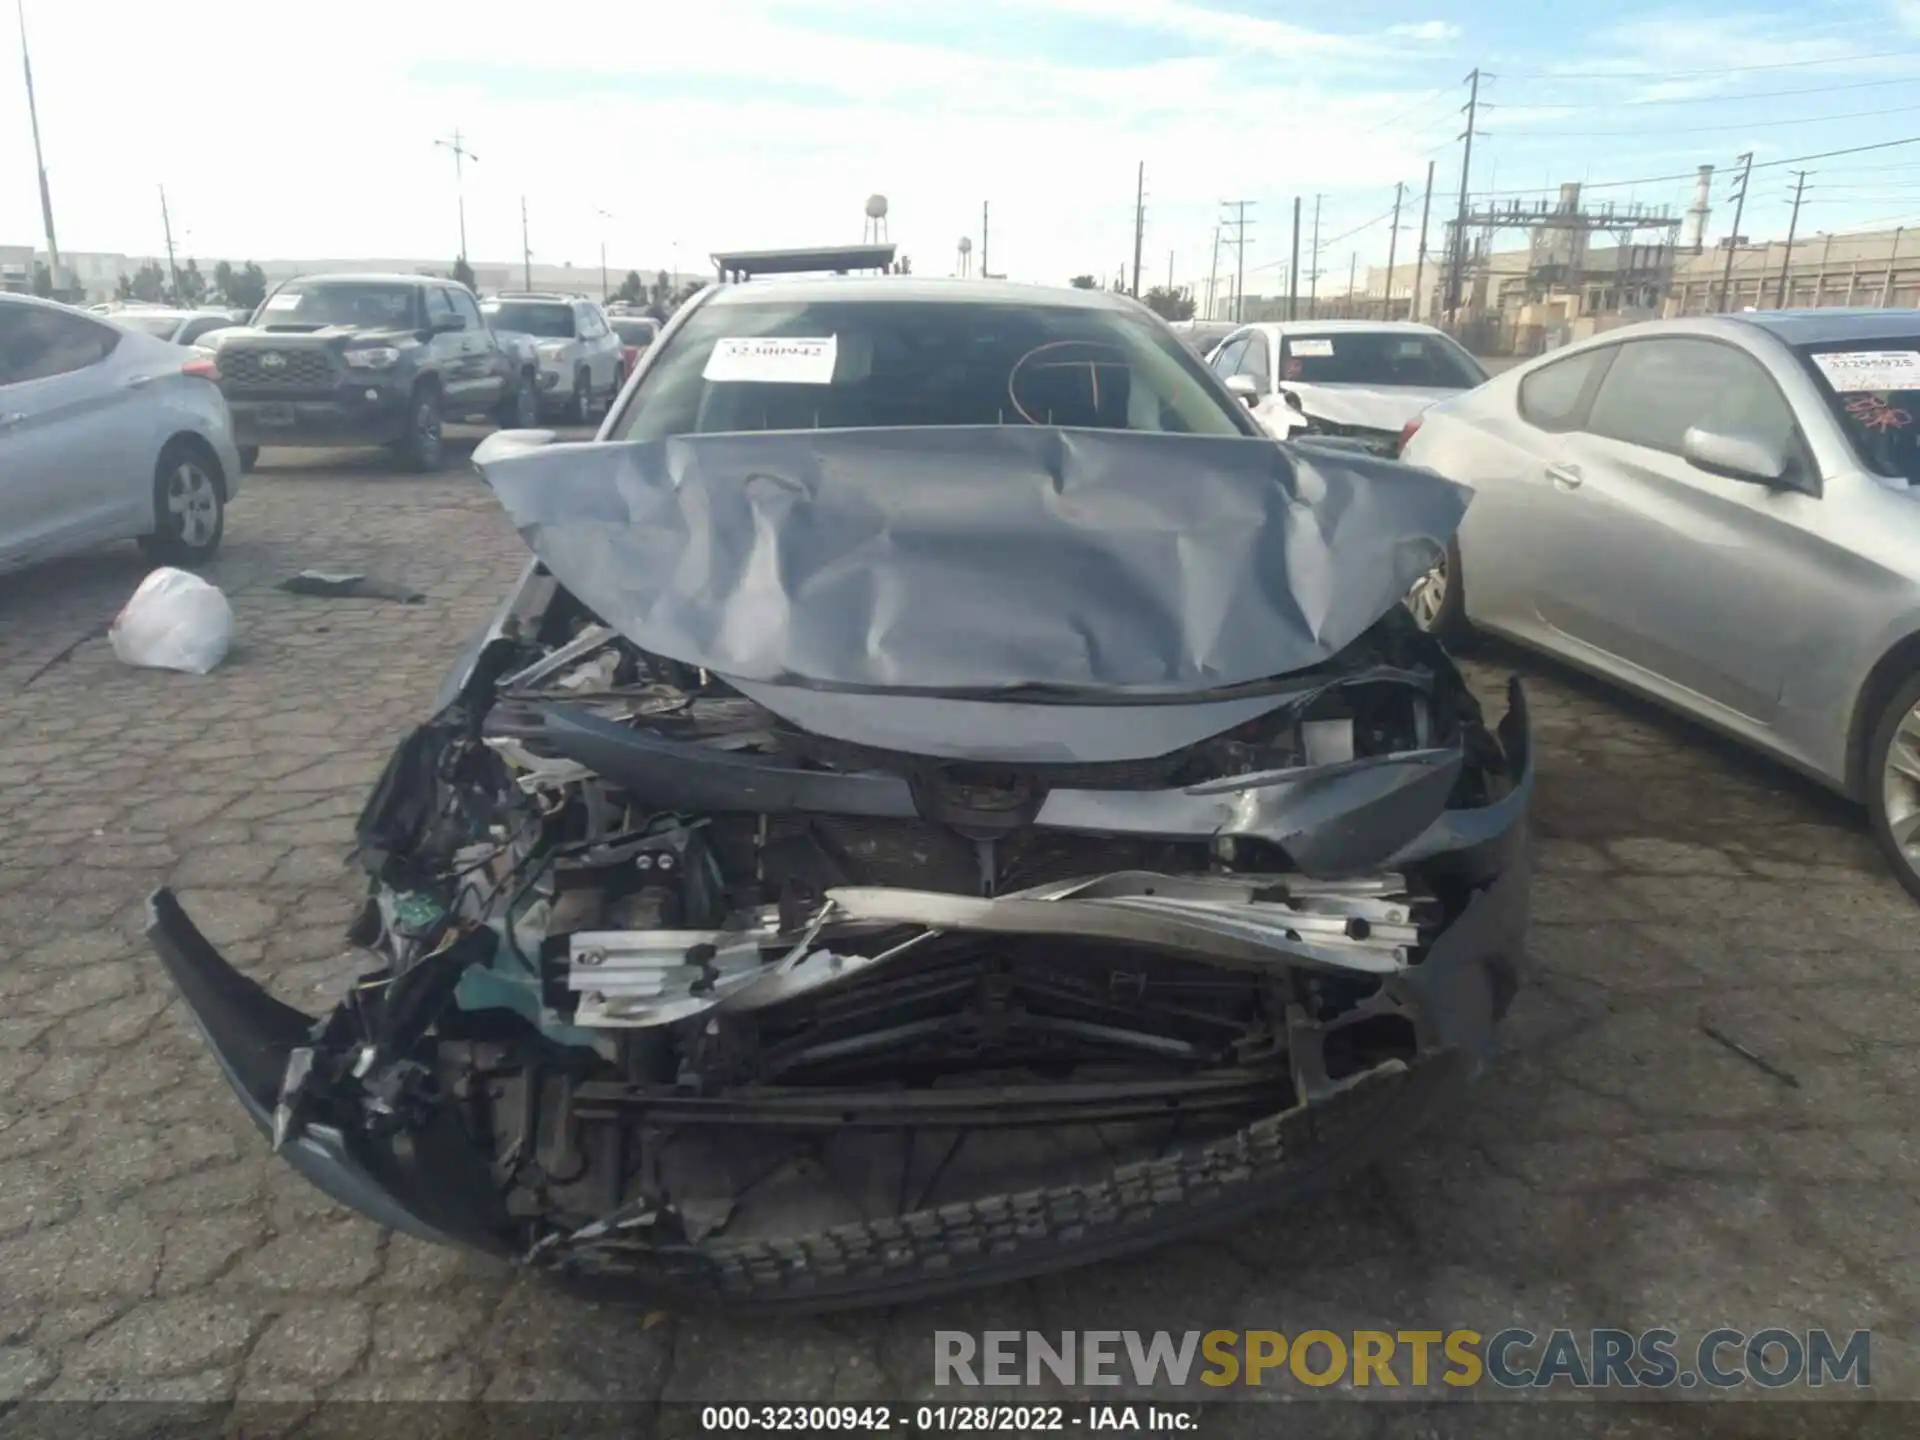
<point>1707,129</point>
<point>1714,99</point>
<point>1691,174</point>
<point>1716,70</point>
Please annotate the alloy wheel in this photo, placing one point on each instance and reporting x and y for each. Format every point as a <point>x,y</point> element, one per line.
<point>1429,595</point>
<point>193,500</point>
<point>1900,788</point>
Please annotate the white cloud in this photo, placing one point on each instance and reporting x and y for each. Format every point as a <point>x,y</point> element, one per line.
<point>1430,32</point>
<point>314,137</point>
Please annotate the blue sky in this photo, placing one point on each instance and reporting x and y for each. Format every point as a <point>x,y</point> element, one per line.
<point>741,123</point>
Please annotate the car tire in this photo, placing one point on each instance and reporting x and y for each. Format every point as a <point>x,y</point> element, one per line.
<point>1438,603</point>
<point>249,457</point>
<point>189,506</point>
<point>580,407</point>
<point>424,449</point>
<point>1893,783</point>
<point>520,410</point>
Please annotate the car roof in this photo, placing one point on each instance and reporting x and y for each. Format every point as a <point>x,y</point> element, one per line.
<point>1338,327</point>
<point>917,289</point>
<point>373,277</point>
<point>1813,327</point>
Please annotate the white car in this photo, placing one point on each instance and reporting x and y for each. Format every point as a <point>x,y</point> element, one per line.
<point>106,434</point>
<point>1359,381</point>
<point>580,358</point>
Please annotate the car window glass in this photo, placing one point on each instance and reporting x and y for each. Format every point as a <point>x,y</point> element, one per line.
<point>1657,389</point>
<point>542,319</point>
<point>36,343</point>
<point>439,305</point>
<point>898,363</point>
<point>1254,362</point>
<point>1551,396</point>
<point>464,307</point>
<point>1226,360</point>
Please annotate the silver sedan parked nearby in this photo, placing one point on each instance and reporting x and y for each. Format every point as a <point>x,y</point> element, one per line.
<point>107,433</point>
<point>1721,514</point>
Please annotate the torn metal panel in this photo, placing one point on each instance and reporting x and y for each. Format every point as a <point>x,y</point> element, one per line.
<point>981,561</point>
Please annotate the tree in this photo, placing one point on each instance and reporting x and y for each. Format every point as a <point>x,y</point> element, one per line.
<point>247,288</point>
<point>463,272</point>
<point>1084,282</point>
<point>42,280</point>
<point>124,290</point>
<point>149,282</point>
<point>193,285</point>
<point>222,282</point>
<point>633,289</point>
<point>1169,304</point>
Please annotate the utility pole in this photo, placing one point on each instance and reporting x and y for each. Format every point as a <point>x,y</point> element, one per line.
<point>1213,275</point>
<point>526,247</point>
<point>1393,249</point>
<point>985,273</point>
<point>1170,272</point>
<point>1353,265</point>
<point>1786,260</point>
<point>1239,223</point>
<point>460,153</point>
<point>1886,285</point>
<point>1457,271</point>
<point>1733,237</point>
<point>1420,260</point>
<point>39,161</point>
<point>166,226</point>
<point>1293,267</point>
<point>1139,224</point>
<point>1313,270</point>
<point>602,214</point>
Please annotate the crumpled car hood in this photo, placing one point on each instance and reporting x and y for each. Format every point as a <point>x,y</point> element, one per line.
<point>978,560</point>
<point>1384,408</point>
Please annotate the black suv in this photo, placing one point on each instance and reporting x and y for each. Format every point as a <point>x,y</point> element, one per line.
<point>368,359</point>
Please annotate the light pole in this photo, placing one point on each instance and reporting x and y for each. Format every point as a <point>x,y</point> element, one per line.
<point>39,161</point>
<point>460,153</point>
<point>603,255</point>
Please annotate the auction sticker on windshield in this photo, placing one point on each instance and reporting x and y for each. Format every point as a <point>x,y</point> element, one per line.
<point>1852,371</point>
<point>283,301</point>
<point>771,361</point>
<point>1310,349</point>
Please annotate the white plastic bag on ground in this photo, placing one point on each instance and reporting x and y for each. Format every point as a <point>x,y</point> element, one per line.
<point>174,621</point>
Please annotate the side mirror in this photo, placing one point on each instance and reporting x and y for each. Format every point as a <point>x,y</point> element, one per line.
<point>443,324</point>
<point>1738,457</point>
<point>1242,387</point>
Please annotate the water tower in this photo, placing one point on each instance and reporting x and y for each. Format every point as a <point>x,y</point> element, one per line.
<point>875,232</point>
<point>966,257</point>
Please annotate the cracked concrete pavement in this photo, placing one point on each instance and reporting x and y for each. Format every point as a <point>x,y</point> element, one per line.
<point>1620,1169</point>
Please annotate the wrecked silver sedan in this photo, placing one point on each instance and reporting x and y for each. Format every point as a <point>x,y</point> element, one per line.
<point>947,800</point>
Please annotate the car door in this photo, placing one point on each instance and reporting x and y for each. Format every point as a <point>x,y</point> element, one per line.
<point>490,372</point>
<point>603,360</point>
<point>453,351</point>
<point>1665,570</point>
<point>77,448</point>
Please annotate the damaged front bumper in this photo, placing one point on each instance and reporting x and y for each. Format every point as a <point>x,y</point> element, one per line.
<point>378,1113</point>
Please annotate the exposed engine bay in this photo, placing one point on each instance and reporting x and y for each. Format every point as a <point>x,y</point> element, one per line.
<point>665,988</point>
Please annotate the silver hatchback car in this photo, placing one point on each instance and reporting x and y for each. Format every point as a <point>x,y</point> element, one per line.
<point>107,433</point>
<point>1722,514</point>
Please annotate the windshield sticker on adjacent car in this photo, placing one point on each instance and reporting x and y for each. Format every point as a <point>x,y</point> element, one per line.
<point>283,301</point>
<point>1852,371</point>
<point>771,361</point>
<point>1311,349</point>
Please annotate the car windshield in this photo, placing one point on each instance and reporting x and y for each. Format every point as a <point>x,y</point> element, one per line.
<point>366,305</point>
<point>1873,389</point>
<point>635,332</point>
<point>548,322</point>
<point>162,323</point>
<point>1378,357</point>
<point>859,364</point>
